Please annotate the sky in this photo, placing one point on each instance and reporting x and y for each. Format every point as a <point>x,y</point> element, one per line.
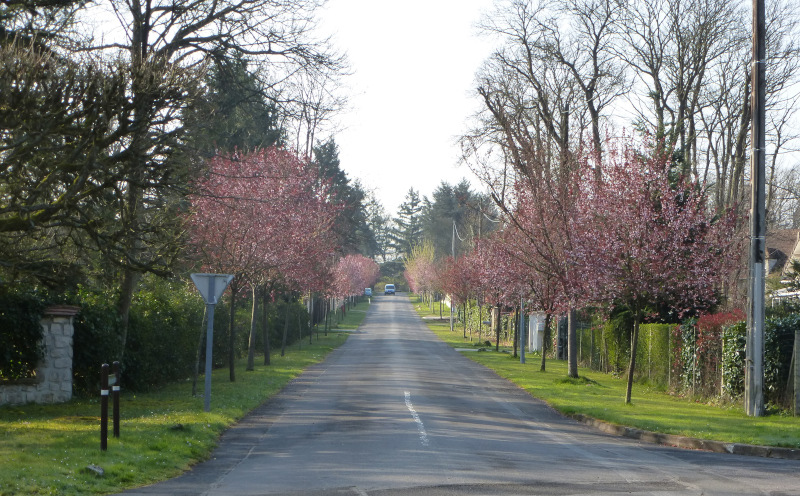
<point>411,92</point>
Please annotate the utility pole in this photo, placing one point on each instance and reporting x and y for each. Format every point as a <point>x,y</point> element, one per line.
<point>453,252</point>
<point>754,366</point>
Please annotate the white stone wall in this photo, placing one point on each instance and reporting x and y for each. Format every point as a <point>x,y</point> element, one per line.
<point>53,382</point>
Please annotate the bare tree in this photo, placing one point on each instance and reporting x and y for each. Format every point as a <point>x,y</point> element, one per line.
<point>531,104</point>
<point>587,49</point>
<point>691,64</point>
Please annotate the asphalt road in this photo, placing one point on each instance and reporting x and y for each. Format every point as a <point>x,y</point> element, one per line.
<point>396,412</point>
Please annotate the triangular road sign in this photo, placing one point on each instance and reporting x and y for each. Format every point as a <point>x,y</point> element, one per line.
<point>211,286</point>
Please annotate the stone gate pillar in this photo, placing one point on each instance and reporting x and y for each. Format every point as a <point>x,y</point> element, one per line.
<point>53,381</point>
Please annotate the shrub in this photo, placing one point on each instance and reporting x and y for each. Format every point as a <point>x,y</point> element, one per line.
<point>779,336</point>
<point>20,333</point>
<point>163,328</point>
<point>700,355</point>
<point>96,339</point>
<point>734,337</point>
<point>165,322</point>
<point>164,331</point>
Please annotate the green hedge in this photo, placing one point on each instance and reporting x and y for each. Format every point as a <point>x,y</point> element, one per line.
<point>20,333</point>
<point>617,342</point>
<point>96,339</point>
<point>165,323</point>
<point>165,326</point>
<point>653,354</point>
<point>734,338</point>
<point>779,333</point>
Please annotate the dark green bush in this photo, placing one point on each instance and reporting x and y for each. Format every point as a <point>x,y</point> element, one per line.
<point>779,335</point>
<point>165,324</point>
<point>164,332</point>
<point>733,358</point>
<point>778,347</point>
<point>20,333</point>
<point>96,339</point>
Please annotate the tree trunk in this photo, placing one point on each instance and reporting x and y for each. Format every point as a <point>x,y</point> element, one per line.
<point>497,330</point>
<point>632,367</point>
<point>465,321</point>
<point>232,332</point>
<point>545,340</point>
<point>130,279</point>
<point>300,330</point>
<point>327,314</point>
<point>517,317</point>
<point>266,325</point>
<point>572,343</point>
<point>285,329</point>
<point>251,344</point>
<point>311,317</point>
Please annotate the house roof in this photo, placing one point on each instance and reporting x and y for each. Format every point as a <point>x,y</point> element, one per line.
<point>782,245</point>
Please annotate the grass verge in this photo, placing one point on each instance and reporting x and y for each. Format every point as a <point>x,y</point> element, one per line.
<point>46,449</point>
<point>601,396</point>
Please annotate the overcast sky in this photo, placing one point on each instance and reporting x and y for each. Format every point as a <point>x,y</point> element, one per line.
<point>411,93</point>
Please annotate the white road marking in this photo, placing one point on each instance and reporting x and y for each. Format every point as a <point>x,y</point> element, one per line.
<point>423,436</point>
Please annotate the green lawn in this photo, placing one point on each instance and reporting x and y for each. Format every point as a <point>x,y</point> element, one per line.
<point>46,449</point>
<point>601,396</point>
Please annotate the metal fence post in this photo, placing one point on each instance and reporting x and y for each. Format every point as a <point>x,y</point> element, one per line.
<point>115,395</point>
<point>104,407</point>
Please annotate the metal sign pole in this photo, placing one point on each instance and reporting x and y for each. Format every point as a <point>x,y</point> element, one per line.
<point>209,348</point>
<point>211,290</point>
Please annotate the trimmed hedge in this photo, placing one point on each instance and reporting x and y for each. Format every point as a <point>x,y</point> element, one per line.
<point>653,354</point>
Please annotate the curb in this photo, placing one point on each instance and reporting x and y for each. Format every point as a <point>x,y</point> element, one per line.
<point>688,442</point>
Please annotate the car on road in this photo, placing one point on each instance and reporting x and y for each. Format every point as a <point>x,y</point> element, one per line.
<point>388,289</point>
<point>368,292</point>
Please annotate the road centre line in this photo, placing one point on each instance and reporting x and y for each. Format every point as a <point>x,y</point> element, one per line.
<point>423,436</point>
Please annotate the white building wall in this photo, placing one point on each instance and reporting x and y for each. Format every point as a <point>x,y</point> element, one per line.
<point>535,331</point>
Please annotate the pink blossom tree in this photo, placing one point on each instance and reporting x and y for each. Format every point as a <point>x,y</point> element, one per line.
<point>459,279</point>
<point>353,273</point>
<point>510,259</point>
<point>641,237</point>
<point>265,217</point>
<point>542,228</point>
<point>420,270</point>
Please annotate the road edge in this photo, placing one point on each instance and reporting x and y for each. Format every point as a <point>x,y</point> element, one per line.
<point>687,442</point>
